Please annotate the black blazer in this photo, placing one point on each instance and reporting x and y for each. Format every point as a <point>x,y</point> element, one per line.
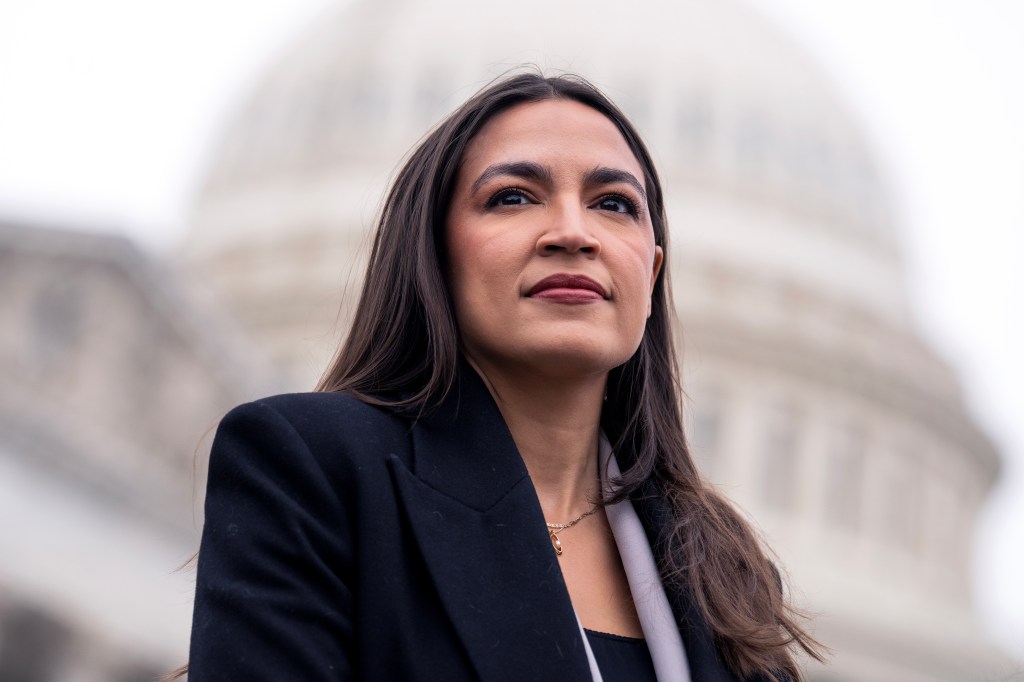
<point>345,541</point>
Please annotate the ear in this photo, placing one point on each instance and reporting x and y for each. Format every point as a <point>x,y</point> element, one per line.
<point>659,258</point>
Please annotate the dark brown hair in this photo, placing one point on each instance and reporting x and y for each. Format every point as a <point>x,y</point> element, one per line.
<point>403,350</point>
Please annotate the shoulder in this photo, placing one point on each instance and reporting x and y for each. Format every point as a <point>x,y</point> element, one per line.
<point>315,415</point>
<point>334,429</point>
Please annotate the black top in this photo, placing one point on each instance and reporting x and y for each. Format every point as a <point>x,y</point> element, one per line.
<point>621,659</point>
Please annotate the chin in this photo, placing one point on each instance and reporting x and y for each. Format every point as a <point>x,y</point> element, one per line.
<point>571,354</point>
<point>575,361</point>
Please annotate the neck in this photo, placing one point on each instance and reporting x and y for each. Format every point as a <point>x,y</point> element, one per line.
<point>555,425</point>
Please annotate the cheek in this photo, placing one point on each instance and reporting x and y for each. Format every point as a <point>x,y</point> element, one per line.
<point>483,264</point>
<point>465,290</point>
<point>461,251</point>
<point>482,281</point>
<point>640,266</point>
<point>455,269</point>
<point>641,263</point>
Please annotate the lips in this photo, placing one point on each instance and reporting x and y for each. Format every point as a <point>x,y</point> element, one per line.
<point>565,286</point>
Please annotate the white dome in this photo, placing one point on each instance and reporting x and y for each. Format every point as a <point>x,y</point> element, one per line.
<point>763,167</point>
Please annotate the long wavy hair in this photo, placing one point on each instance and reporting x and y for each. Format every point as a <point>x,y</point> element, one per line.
<point>403,350</point>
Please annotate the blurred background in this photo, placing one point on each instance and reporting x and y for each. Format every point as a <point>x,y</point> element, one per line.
<point>185,194</point>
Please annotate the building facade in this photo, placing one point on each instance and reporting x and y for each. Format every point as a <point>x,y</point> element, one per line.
<point>811,400</point>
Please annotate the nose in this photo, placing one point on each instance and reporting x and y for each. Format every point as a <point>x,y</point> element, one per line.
<point>568,232</point>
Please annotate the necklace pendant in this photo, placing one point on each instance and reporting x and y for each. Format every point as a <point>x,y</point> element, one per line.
<point>555,542</point>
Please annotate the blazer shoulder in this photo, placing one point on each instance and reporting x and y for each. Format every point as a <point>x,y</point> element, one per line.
<point>329,423</point>
<point>313,407</point>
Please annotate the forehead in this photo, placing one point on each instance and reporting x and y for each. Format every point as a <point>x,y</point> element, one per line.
<point>556,133</point>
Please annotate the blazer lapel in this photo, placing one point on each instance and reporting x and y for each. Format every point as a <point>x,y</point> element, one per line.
<point>656,516</point>
<point>652,606</point>
<point>475,516</point>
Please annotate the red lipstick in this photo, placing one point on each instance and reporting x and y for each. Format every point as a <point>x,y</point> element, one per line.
<point>564,288</point>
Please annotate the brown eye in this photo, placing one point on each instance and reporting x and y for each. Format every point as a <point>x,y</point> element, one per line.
<point>510,196</point>
<point>617,204</point>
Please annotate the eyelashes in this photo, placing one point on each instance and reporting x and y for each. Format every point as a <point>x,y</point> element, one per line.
<point>508,197</point>
<point>613,203</point>
<point>609,201</point>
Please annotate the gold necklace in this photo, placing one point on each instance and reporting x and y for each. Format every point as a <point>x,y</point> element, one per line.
<point>555,528</point>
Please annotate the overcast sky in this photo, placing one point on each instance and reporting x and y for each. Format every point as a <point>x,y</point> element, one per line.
<point>939,85</point>
<point>107,109</point>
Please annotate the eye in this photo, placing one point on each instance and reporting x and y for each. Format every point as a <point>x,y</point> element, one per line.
<point>509,196</point>
<point>616,203</point>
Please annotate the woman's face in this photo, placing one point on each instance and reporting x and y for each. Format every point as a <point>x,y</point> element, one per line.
<point>551,250</point>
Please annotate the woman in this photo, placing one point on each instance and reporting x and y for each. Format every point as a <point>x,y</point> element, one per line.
<point>448,505</point>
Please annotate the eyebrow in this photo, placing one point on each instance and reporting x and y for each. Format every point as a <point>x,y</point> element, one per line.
<point>528,170</point>
<point>606,176</point>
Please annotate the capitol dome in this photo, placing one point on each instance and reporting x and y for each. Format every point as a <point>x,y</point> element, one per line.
<point>812,400</point>
<point>760,160</point>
